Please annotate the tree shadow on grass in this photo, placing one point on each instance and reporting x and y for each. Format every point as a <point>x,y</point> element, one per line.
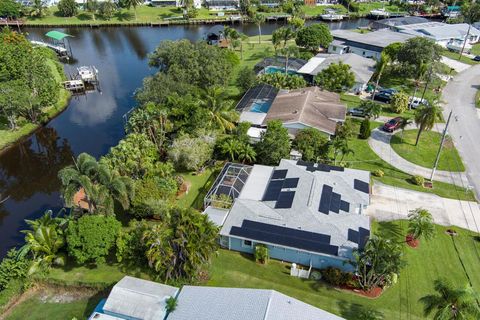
<point>356,311</point>
<point>84,16</point>
<point>124,16</point>
<point>390,230</point>
<point>93,301</point>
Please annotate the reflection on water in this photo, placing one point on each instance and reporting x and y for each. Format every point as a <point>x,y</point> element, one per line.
<point>92,123</point>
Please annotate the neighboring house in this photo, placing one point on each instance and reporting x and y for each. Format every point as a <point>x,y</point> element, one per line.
<point>362,68</point>
<point>391,23</point>
<point>368,45</point>
<point>306,213</point>
<point>133,298</point>
<point>215,36</point>
<point>222,5</point>
<point>297,109</point>
<point>441,33</point>
<point>213,303</point>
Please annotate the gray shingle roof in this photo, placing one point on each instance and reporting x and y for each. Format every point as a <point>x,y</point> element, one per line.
<point>304,214</point>
<point>213,303</point>
<point>139,299</point>
<point>380,38</point>
<point>438,30</point>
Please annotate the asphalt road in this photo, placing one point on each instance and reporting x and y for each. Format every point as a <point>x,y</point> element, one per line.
<point>459,96</point>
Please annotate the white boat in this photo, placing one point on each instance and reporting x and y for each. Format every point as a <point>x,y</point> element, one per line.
<point>88,73</point>
<point>331,15</point>
<point>379,13</point>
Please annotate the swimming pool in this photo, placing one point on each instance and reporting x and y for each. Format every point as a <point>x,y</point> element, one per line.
<point>273,69</point>
<point>261,106</point>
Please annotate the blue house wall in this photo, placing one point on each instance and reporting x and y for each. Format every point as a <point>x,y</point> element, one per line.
<point>319,261</point>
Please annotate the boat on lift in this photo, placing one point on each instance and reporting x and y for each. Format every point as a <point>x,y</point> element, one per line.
<point>331,15</point>
<point>379,13</point>
<point>88,74</point>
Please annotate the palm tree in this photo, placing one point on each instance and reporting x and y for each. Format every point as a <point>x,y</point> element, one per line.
<point>100,185</point>
<point>44,239</point>
<point>346,150</point>
<point>134,4</point>
<point>338,144</point>
<point>471,14</point>
<point>404,123</point>
<point>221,112</point>
<point>246,153</point>
<point>380,66</point>
<point>420,224</point>
<point>231,148</point>
<point>287,52</point>
<point>371,108</point>
<point>425,118</point>
<point>258,19</point>
<point>450,303</point>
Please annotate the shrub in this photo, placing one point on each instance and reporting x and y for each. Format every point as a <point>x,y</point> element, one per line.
<point>365,130</point>
<point>335,276</point>
<point>316,275</point>
<point>378,173</point>
<point>261,253</point>
<point>399,102</point>
<point>282,80</point>
<point>12,268</point>
<point>246,78</point>
<point>418,180</point>
<point>222,201</point>
<point>67,8</point>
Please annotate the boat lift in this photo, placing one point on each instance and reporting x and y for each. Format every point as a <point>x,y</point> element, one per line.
<point>58,43</point>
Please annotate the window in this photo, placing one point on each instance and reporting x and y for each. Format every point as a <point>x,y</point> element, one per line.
<point>334,48</point>
<point>363,53</point>
<point>247,244</point>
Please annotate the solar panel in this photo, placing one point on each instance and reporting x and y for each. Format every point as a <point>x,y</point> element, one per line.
<point>285,236</point>
<point>324,206</point>
<point>273,190</point>
<point>335,168</point>
<point>361,186</point>
<point>285,200</point>
<point>279,174</point>
<point>290,183</point>
<point>344,206</point>
<point>353,235</point>
<point>304,163</point>
<point>335,202</point>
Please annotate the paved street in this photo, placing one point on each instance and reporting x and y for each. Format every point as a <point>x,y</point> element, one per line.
<point>455,64</point>
<point>459,96</point>
<point>390,203</point>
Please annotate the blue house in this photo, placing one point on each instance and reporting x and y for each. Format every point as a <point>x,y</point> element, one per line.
<point>306,213</point>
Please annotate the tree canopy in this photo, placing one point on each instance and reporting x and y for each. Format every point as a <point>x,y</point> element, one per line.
<point>337,77</point>
<point>314,36</point>
<point>274,144</point>
<point>313,144</point>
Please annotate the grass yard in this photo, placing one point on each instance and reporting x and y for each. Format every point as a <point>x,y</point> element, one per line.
<point>365,159</point>
<point>477,99</point>
<point>8,137</point>
<point>145,14</point>
<point>475,49</point>
<point>314,11</point>
<point>431,260</point>
<point>199,186</point>
<point>353,101</point>
<point>425,153</point>
<point>366,7</point>
<point>455,55</point>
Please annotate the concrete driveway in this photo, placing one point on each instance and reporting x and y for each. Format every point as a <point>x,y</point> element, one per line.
<point>459,96</point>
<point>391,203</point>
<point>454,64</point>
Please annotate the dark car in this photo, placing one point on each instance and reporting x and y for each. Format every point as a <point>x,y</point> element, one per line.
<point>389,91</point>
<point>383,97</point>
<point>476,58</point>
<point>392,124</point>
<point>356,112</point>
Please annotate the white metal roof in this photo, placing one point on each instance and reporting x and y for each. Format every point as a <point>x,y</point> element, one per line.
<point>216,215</point>
<point>311,65</point>
<point>255,118</point>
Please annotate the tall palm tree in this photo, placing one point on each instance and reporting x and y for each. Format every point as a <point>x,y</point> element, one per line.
<point>100,185</point>
<point>380,67</point>
<point>134,4</point>
<point>420,224</point>
<point>231,148</point>
<point>450,303</point>
<point>289,51</point>
<point>258,19</point>
<point>44,239</point>
<point>425,118</point>
<point>221,111</point>
<point>246,153</point>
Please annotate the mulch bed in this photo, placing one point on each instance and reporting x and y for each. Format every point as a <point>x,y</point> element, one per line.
<point>373,293</point>
<point>411,241</point>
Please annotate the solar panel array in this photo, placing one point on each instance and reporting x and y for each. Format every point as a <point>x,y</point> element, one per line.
<point>332,201</point>
<point>299,239</point>
<point>361,186</point>
<point>360,237</point>
<point>278,181</point>
<point>312,167</point>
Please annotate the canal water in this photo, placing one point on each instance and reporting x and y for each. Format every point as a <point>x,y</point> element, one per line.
<point>91,123</point>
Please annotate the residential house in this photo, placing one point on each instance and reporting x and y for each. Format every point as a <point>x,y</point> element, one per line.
<point>222,5</point>
<point>215,36</point>
<point>362,68</point>
<point>133,298</point>
<point>305,213</point>
<point>441,33</point>
<point>139,298</point>
<point>213,303</point>
<point>391,23</point>
<point>369,45</point>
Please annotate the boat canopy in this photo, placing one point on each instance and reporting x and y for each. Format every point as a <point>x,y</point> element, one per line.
<point>57,35</point>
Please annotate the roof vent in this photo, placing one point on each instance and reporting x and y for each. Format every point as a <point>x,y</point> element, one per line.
<point>295,111</point>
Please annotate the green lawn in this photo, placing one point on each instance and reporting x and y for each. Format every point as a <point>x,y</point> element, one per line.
<point>455,55</point>
<point>431,260</point>
<point>477,99</point>
<point>475,49</point>
<point>145,14</point>
<point>314,11</point>
<point>353,101</point>
<point>425,152</point>
<point>366,7</point>
<point>199,186</point>
<point>8,137</point>
<point>365,159</point>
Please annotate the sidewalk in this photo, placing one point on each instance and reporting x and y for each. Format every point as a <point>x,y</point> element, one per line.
<point>380,144</point>
<point>392,203</point>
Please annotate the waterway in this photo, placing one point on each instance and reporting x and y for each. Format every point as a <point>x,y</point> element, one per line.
<point>91,123</point>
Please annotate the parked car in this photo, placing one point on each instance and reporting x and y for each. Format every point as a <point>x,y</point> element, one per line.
<point>476,58</point>
<point>392,124</point>
<point>389,91</point>
<point>383,97</point>
<point>356,112</point>
<point>416,102</point>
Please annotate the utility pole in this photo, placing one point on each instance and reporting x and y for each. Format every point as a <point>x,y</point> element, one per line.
<point>441,145</point>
